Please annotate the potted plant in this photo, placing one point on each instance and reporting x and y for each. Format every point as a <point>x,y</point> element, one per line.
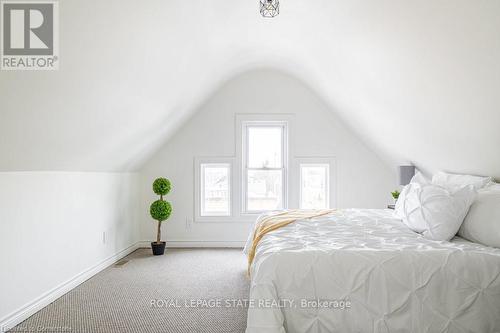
<point>160,210</point>
<point>395,195</point>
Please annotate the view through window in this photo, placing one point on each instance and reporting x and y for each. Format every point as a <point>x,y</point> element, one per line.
<point>215,189</point>
<point>265,167</point>
<point>314,186</point>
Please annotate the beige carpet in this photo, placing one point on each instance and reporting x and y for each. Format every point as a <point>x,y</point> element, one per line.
<point>119,298</point>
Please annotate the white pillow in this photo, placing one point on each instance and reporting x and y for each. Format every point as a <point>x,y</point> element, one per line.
<point>419,178</point>
<point>482,223</point>
<point>432,210</point>
<point>455,182</point>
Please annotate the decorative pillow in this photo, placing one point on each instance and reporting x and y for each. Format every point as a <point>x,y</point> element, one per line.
<point>432,210</point>
<point>419,178</point>
<point>455,182</point>
<point>482,223</point>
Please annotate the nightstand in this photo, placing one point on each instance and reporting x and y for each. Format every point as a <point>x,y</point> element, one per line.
<point>391,206</point>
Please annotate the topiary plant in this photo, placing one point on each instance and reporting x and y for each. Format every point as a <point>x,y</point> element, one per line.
<point>160,210</point>
<point>161,186</point>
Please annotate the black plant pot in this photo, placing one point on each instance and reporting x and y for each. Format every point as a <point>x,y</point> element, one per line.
<point>158,248</point>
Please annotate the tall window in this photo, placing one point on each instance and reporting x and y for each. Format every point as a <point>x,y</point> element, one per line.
<point>215,189</point>
<point>264,162</point>
<point>314,186</point>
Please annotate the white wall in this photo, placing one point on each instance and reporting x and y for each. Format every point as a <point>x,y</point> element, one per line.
<point>363,180</point>
<point>419,80</point>
<point>51,231</point>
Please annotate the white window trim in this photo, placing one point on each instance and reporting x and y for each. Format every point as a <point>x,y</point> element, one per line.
<point>198,161</point>
<point>295,192</point>
<point>240,119</point>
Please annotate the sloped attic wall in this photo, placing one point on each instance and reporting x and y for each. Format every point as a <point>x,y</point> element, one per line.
<point>362,179</point>
<point>418,80</point>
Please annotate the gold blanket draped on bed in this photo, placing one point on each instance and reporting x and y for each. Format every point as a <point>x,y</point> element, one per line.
<point>276,221</point>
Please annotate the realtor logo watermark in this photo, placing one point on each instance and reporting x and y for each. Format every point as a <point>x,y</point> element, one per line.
<point>30,35</point>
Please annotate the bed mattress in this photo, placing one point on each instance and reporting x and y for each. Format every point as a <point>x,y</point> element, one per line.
<point>364,271</point>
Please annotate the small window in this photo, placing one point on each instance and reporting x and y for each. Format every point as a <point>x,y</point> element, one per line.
<point>314,186</point>
<point>215,189</point>
<point>264,171</point>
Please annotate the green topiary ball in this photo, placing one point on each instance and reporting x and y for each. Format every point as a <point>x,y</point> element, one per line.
<point>162,186</point>
<point>160,210</point>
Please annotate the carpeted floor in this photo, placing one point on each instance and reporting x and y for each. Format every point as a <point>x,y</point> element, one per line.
<point>119,299</point>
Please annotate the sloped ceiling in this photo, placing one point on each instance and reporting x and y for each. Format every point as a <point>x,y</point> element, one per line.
<point>419,81</point>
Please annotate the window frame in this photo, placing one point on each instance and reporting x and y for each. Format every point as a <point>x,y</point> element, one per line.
<point>244,154</point>
<point>198,182</point>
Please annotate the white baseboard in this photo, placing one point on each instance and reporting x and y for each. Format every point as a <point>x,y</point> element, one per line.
<point>182,243</point>
<point>34,306</point>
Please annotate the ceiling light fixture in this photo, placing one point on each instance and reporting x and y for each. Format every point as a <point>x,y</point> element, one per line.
<point>269,8</point>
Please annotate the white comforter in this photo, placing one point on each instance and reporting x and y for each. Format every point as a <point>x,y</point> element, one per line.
<point>364,271</point>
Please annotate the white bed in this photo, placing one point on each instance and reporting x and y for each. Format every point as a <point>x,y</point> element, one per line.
<point>393,279</point>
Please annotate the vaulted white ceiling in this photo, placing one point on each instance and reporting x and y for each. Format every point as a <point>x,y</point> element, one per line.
<point>419,81</point>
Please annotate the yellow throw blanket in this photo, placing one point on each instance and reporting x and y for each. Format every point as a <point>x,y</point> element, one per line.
<point>276,221</point>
